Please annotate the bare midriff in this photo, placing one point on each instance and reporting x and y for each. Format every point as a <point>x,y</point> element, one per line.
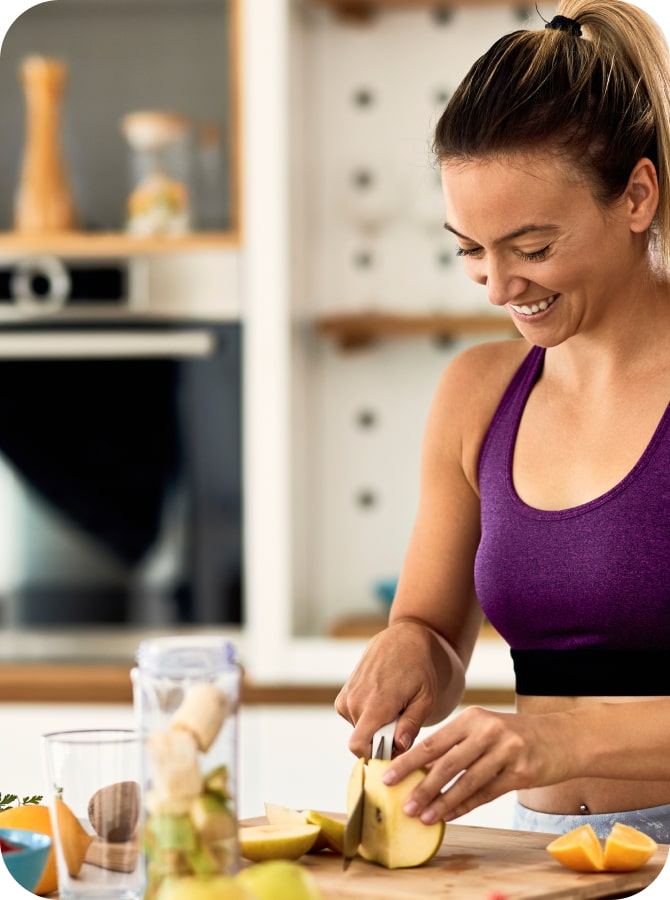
<point>588,796</point>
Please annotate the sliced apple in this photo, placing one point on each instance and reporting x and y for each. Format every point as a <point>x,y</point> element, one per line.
<point>260,842</point>
<point>332,830</point>
<point>284,815</point>
<point>389,837</point>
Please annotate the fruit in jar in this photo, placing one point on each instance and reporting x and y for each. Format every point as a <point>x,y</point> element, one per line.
<point>261,842</point>
<point>191,827</point>
<point>279,880</point>
<point>389,837</point>
<point>202,714</point>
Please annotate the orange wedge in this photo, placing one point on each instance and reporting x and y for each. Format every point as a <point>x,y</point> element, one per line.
<point>579,850</point>
<point>627,849</point>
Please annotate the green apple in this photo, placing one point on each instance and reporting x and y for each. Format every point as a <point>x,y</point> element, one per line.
<point>261,842</point>
<point>219,887</point>
<point>389,837</point>
<point>279,880</point>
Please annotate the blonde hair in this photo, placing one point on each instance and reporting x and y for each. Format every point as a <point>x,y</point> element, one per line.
<point>601,100</point>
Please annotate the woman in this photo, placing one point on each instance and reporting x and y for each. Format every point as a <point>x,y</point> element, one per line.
<point>545,478</point>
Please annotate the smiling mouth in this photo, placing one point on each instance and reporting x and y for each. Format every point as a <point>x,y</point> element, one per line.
<point>534,308</point>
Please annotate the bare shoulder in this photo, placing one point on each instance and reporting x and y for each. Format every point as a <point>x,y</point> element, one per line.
<point>484,370</point>
<point>468,395</point>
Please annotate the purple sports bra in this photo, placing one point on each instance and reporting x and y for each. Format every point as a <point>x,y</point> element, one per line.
<point>582,595</point>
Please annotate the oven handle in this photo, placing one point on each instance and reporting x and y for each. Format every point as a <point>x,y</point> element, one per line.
<point>107,344</point>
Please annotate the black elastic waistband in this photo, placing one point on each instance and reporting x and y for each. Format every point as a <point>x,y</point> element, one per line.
<point>592,672</point>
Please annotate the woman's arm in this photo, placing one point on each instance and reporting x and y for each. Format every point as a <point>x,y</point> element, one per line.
<point>406,671</point>
<point>482,754</point>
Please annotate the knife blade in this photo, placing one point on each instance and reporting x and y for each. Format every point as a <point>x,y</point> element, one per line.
<point>382,748</point>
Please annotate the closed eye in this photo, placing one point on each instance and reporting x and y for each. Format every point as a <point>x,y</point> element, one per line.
<point>536,255</point>
<point>461,251</point>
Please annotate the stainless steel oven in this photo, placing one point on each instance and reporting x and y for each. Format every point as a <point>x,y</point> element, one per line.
<point>120,453</point>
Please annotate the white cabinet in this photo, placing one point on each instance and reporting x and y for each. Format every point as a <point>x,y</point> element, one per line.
<point>332,440</point>
<point>291,755</point>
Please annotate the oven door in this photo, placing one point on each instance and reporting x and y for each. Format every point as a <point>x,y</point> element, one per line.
<point>120,473</point>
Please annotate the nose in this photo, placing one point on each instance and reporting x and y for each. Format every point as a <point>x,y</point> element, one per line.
<point>500,281</point>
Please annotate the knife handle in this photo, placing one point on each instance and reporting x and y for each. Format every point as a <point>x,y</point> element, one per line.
<point>384,733</point>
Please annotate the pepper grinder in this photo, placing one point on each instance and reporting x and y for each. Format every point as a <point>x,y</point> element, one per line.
<point>44,201</point>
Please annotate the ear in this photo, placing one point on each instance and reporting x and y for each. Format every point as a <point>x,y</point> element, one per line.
<point>641,195</point>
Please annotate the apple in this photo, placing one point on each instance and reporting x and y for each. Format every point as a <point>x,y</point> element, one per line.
<point>331,836</point>
<point>219,887</point>
<point>261,842</point>
<point>389,837</point>
<point>279,880</point>
<point>332,830</point>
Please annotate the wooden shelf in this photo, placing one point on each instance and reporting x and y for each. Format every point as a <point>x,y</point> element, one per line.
<point>363,9</point>
<point>100,244</point>
<point>353,330</point>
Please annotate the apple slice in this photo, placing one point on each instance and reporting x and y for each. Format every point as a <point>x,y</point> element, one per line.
<point>260,842</point>
<point>284,815</point>
<point>332,831</point>
<point>389,837</point>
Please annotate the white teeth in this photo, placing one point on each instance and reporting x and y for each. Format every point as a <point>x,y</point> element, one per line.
<point>536,307</point>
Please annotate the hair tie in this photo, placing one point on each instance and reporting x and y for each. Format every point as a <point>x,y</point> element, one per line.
<point>562,23</point>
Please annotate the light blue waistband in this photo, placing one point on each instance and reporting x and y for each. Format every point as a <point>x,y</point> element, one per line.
<point>654,821</point>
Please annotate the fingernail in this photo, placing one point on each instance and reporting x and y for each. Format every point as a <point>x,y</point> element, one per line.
<point>428,816</point>
<point>410,807</point>
<point>389,777</point>
<point>403,742</point>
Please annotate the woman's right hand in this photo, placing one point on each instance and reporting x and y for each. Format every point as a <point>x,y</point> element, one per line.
<point>397,677</point>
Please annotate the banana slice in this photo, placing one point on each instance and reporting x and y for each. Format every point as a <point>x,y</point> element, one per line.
<point>202,713</point>
<point>173,758</point>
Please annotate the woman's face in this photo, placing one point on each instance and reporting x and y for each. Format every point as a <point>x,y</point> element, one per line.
<point>540,243</point>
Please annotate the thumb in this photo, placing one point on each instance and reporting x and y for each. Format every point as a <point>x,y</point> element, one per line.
<point>406,731</point>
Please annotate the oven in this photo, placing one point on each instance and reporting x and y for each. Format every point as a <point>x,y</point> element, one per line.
<point>120,453</point>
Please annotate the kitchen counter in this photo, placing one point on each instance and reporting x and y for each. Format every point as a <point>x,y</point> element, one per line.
<point>476,863</point>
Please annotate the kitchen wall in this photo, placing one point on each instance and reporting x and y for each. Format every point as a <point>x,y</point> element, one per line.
<point>368,236</point>
<point>122,55</point>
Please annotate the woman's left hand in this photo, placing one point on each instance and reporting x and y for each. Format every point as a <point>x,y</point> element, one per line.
<point>480,755</point>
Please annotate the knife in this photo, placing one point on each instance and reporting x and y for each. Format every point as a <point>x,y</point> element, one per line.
<point>382,748</point>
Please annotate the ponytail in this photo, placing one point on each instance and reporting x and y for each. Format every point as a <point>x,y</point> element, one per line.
<point>602,100</point>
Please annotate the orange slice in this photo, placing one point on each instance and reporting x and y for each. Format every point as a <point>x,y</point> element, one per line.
<point>627,848</point>
<point>579,850</point>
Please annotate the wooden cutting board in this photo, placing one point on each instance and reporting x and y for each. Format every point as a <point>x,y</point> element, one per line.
<point>477,863</point>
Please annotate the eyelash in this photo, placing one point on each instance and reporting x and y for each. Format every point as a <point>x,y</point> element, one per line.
<point>535,256</point>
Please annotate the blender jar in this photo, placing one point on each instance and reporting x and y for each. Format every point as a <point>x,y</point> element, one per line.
<point>160,199</point>
<point>186,698</point>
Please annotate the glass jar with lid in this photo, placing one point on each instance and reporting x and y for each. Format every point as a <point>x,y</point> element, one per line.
<point>186,697</point>
<point>161,172</point>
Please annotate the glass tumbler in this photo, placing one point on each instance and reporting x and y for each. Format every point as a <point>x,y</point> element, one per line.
<point>186,698</point>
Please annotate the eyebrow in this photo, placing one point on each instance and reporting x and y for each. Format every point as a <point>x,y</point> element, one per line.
<point>518,232</point>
